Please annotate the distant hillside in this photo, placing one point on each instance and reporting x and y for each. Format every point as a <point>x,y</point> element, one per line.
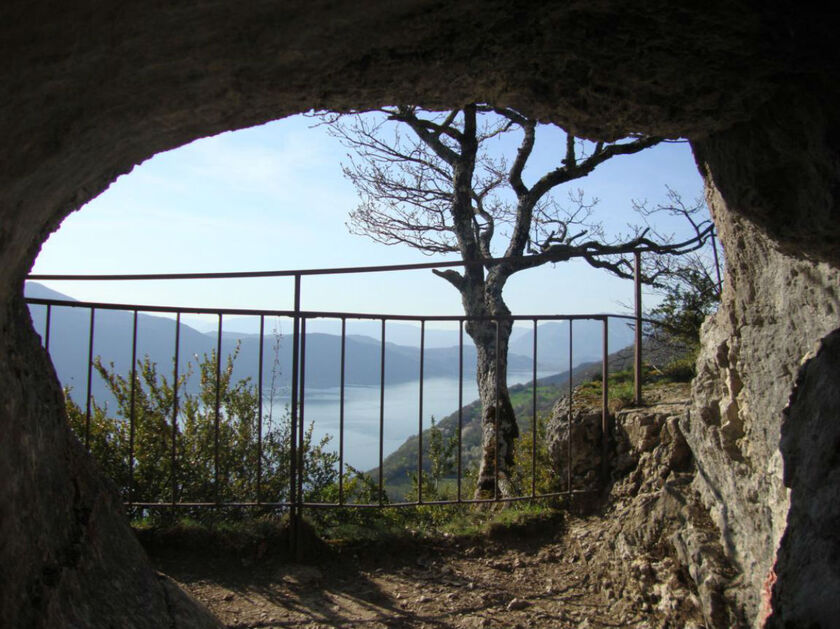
<point>398,466</point>
<point>553,341</point>
<point>156,339</point>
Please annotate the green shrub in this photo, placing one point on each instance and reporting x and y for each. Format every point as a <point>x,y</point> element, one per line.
<point>204,469</point>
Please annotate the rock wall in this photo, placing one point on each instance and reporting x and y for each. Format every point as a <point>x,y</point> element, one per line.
<point>653,519</point>
<point>69,558</point>
<point>774,309</point>
<point>808,565</point>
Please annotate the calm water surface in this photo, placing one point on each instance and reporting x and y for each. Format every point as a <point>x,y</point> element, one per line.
<point>401,413</point>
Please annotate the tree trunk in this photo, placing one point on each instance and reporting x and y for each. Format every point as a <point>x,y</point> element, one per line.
<point>498,421</point>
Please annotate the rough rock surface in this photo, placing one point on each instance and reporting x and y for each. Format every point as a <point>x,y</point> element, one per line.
<point>655,521</point>
<point>807,570</point>
<point>773,310</point>
<point>69,556</point>
<point>655,506</point>
<point>586,450</point>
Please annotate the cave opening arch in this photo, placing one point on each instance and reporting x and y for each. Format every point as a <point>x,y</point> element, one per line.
<point>753,89</point>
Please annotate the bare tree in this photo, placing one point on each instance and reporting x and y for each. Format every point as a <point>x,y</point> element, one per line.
<point>430,182</point>
<point>690,285</point>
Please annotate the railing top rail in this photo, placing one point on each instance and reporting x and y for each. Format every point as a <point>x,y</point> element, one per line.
<point>282,273</point>
<point>313,314</point>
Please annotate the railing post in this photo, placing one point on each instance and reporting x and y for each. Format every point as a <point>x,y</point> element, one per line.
<point>496,419</point>
<point>637,363</point>
<point>341,413</point>
<point>131,413</point>
<point>420,415</point>
<point>216,411</point>
<point>381,414</point>
<point>293,485</point>
<point>47,328</point>
<point>534,417</point>
<point>89,378</point>
<point>460,400</point>
<point>301,454</point>
<point>260,410</point>
<point>717,262</point>
<point>174,405</point>
<point>606,422</point>
<point>569,452</point>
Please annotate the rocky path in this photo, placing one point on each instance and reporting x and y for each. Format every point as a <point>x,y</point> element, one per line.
<point>519,579</point>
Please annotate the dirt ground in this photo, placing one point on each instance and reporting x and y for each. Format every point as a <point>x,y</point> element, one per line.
<point>520,577</point>
<point>617,567</point>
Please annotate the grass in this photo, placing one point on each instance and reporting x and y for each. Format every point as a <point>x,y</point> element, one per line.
<point>622,383</point>
<point>243,534</point>
<point>259,536</point>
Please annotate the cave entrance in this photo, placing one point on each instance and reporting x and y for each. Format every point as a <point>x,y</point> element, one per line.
<point>199,345</point>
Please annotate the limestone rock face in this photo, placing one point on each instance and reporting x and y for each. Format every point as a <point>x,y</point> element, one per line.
<point>585,444</point>
<point>657,522</point>
<point>774,308</point>
<point>807,574</point>
<point>69,557</point>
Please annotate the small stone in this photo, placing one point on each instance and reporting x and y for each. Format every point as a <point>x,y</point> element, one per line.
<point>504,566</point>
<point>302,575</point>
<point>517,603</point>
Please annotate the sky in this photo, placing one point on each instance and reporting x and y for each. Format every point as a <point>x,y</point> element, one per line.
<point>273,197</point>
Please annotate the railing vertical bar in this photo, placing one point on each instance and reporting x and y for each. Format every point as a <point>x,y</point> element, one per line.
<point>606,428</point>
<point>341,413</point>
<point>496,413</point>
<point>420,416</point>
<point>131,412</point>
<point>637,363</point>
<point>460,398</point>
<point>260,409</point>
<point>569,430</point>
<point>293,499</point>
<point>217,408</point>
<point>381,410</point>
<point>89,378</point>
<point>175,408</point>
<point>301,417</point>
<point>47,328</point>
<point>717,262</point>
<point>534,419</point>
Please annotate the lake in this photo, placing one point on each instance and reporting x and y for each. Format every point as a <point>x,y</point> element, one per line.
<point>401,413</point>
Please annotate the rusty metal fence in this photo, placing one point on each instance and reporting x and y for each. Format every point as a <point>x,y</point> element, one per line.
<point>295,500</point>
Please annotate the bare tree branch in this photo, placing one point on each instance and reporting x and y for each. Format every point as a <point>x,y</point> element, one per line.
<point>453,277</point>
<point>439,188</point>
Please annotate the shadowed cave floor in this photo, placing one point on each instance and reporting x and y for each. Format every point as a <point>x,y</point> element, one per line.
<point>566,575</point>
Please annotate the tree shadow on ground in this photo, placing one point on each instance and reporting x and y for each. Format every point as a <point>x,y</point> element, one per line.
<point>398,582</point>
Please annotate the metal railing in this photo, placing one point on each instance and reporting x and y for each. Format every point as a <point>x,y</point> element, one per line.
<point>299,318</point>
